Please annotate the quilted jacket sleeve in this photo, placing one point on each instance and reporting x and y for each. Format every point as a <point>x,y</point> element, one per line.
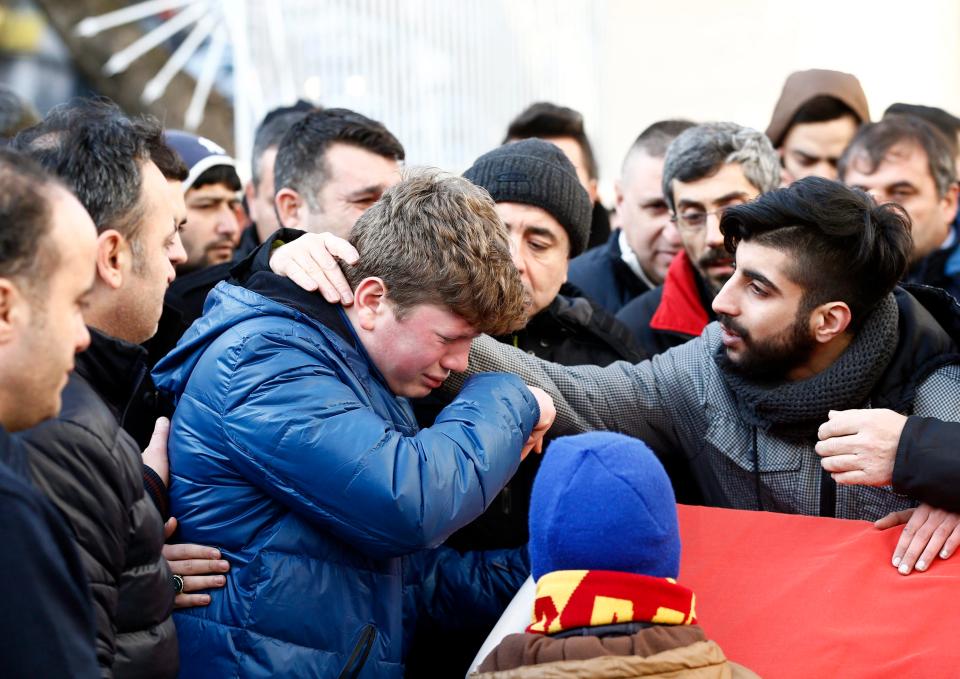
<point>70,465</point>
<point>311,438</point>
<point>469,590</point>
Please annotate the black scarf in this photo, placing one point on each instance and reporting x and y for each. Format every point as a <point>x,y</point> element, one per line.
<point>798,408</point>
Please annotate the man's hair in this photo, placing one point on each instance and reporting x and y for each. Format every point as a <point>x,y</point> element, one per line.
<point>655,140</point>
<point>947,123</point>
<point>26,251</point>
<point>546,120</point>
<point>219,174</point>
<point>301,157</point>
<point>98,151</point>
<point>165,158</point>
<point>702,150</point>
<point>875,140</point>
<point>436,239</point>
<point>842,245</point>
<point>821,109</point>
<point>270,134</point>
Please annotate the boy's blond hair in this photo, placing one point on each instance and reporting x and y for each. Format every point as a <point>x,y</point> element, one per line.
<point>435,238</point>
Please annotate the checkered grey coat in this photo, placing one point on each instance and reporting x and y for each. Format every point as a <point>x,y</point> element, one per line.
<point>679,402</point>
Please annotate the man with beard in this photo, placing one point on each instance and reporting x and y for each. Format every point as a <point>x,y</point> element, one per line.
<point>211,194</point>
<point>811,321</point>
<point>708,168</point>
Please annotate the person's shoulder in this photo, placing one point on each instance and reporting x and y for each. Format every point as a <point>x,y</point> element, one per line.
<point>187,293</point>
<point>83,415</point>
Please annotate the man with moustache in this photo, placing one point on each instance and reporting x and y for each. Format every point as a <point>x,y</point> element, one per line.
<point>906,160</point>
<point>210,192</point>
<point>708,169</point>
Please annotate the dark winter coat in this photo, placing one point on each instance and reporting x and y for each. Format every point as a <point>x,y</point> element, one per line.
<point>602,275</point>
<point>46,622</point>
<point>927,465</point>
<point>92,470</point>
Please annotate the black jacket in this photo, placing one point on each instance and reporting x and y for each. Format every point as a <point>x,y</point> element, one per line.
<point>599,225</point>
<point>671,314</point>
<point>46,621</point>
<point>604,277</point>
<point>927,465</point>
<point>93,471</point>
<point>249,241</point>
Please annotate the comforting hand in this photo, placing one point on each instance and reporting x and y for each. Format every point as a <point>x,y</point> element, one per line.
<point>199,568</point>
<point>929,531</point>
<point>547,415</point>
<point>860,446</point>
<point>155,454</point>
<point>311,262</point>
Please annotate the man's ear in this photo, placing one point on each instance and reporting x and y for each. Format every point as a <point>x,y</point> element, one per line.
<point>592,190</point>
<point>830,320</point>
<point>949,203</point>
<point>249,191</point>
<point>370,302</point>
<point>288,202</point>
<point>618,193</point>
<point>114,258</point>
<point>14,310</point>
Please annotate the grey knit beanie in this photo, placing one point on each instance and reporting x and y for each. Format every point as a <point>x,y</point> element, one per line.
<point>536,172</point>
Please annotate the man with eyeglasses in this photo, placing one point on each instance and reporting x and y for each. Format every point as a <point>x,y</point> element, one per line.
<point>708,168</point>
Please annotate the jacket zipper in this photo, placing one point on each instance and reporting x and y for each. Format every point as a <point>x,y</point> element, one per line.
<point>358,658</point>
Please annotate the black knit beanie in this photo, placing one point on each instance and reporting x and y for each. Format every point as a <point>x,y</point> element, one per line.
<point>536,172</point>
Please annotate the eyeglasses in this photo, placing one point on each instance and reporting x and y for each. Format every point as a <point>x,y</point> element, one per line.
<point>692,222</point>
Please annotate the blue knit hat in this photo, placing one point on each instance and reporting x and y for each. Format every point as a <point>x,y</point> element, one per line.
<point>602,501</point>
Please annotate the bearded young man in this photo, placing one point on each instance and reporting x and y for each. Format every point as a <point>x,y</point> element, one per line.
<point>809,322</point>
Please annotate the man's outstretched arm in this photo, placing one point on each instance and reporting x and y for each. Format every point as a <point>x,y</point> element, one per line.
<point>632,399</point>
<point>635,400</point>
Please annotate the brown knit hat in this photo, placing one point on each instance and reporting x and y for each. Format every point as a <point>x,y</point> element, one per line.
<point>803,86</point>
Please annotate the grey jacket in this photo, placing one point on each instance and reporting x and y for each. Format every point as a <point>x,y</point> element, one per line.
<point>680,402</point>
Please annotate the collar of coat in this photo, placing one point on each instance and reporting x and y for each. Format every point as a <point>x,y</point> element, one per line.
<point>682,308</point>
<point>570,599</point>
<point>114,368</point>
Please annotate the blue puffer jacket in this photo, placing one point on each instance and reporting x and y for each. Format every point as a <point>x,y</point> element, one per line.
<point>289,452</point>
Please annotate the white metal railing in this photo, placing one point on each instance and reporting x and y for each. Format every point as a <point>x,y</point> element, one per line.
<point>445,76</point>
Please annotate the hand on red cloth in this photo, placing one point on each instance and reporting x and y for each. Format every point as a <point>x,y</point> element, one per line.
<point>929,532</point>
